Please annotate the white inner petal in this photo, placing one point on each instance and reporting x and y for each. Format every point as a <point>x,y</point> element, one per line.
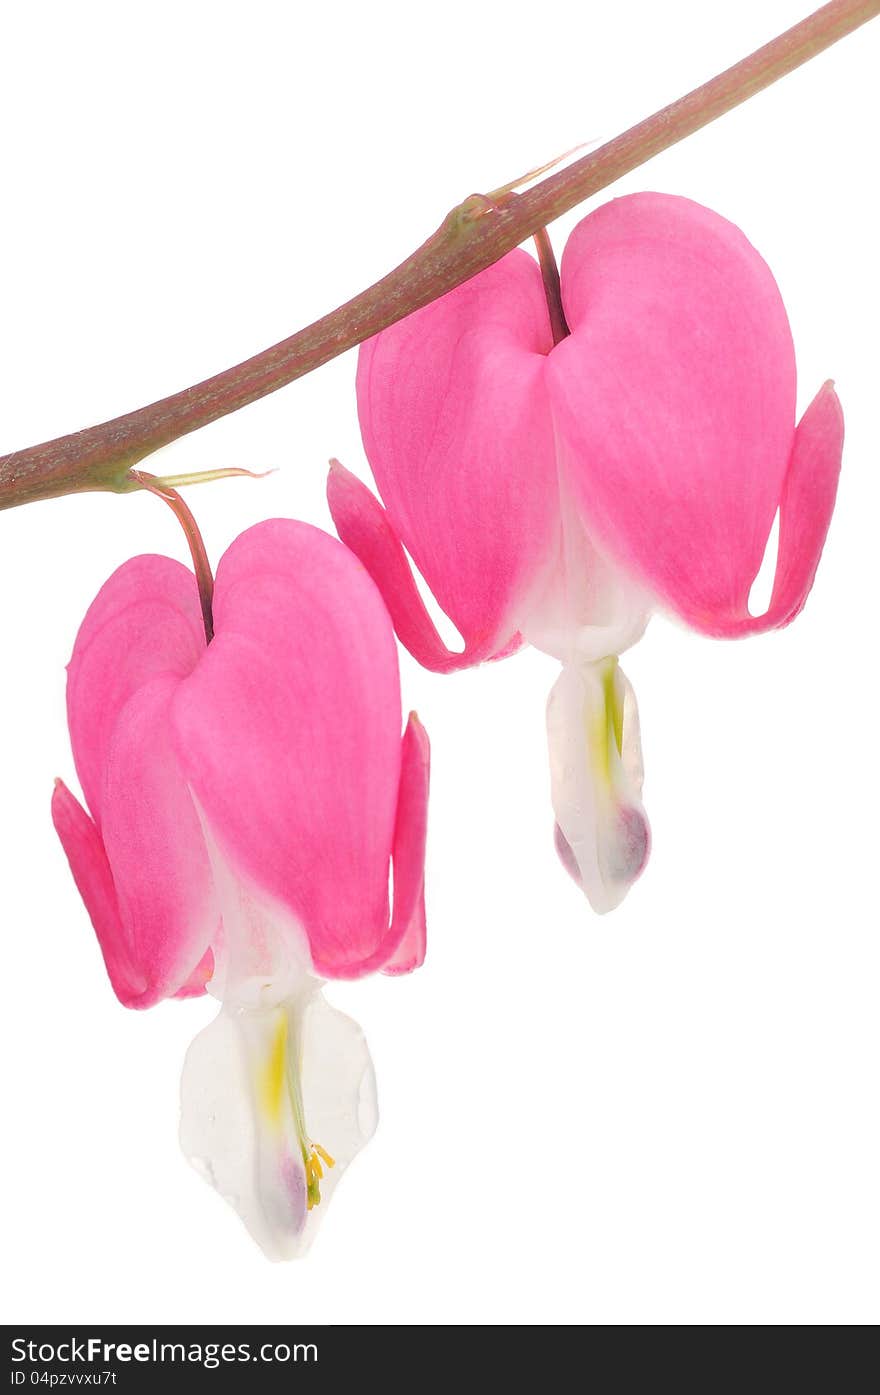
<point>596,776</point>
<point>261,952</point>
<point>582,606</point>
<point>278,1093</point>
<point>246,1132</point>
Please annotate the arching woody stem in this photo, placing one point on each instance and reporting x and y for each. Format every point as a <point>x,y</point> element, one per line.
<point>474,235</point>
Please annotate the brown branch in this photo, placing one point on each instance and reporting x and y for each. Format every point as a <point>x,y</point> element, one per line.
<point>472,237</point>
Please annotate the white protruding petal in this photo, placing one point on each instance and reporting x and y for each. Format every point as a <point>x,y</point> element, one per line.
<point>582,607</point>
<point>261,952</point>
<point>339,1088</point>
<point>596,773</point>
<point>261,1087</point>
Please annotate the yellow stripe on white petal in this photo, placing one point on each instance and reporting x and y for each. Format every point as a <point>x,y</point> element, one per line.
<point>272,1073</point>
<point>260,1086</point>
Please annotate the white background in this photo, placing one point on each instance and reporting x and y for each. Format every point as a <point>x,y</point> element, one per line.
<point>664,1116</point>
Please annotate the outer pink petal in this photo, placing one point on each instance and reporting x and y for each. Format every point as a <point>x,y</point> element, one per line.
<point>289,732</point>
<point>804,516</point>
<point>363,526</point>
<point>91,872</point>
<point>408,926</point>
<point>457,429</point>
<point>676,396</point>
<point>145,621</point>
<point>154,845</point>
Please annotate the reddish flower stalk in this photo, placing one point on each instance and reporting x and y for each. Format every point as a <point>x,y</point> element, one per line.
<point>552,287</point>
<point>475,234</point>
<point>185,517</point>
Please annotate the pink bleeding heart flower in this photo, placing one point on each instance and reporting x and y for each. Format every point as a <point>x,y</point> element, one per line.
<point>558,493</point>
<point>247,800</point>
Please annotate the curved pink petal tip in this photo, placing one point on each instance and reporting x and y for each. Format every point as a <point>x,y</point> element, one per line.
<point>364,527</point>
<point>805,510</point>
<point>408,925</point>
<point>81,842</point>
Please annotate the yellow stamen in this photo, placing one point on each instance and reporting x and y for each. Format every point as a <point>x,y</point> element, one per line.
<point>314,1172</point>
